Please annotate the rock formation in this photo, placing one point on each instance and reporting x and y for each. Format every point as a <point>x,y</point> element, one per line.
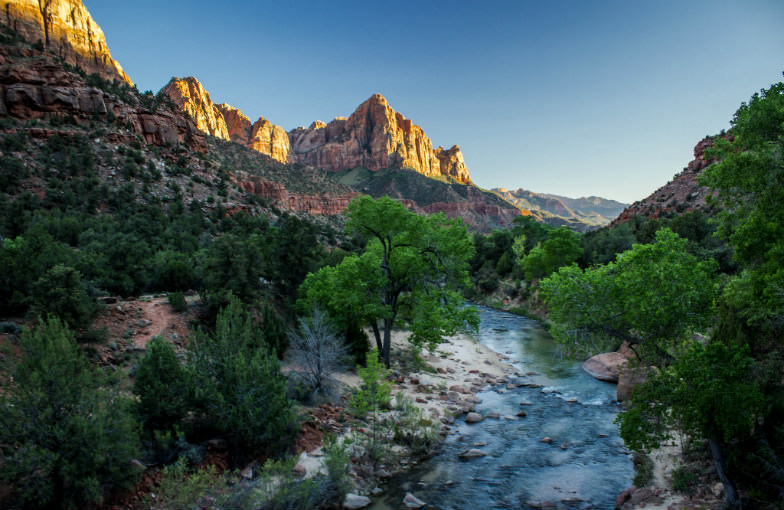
<point>190,96</point>
<point>34,87</point>
<point>374,137</point>
<point>226,122</point>
<point>321,204</point>
<point>682,194</point>
<point>65,28</point>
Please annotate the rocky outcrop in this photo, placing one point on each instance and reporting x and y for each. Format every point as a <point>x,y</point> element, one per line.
<point>312,204</point>
<point>66,28</point>
<point>226,122</point>
<point>190,96</point>
<point>374,137</point>
<point>682,194</point>
<point>32,86</point>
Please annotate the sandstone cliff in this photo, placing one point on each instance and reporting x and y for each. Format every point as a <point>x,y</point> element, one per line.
<point>226,122</point>
<point>32,86</point>
<point>682,194</point>
<point>67,29</point>
<point>190,96</point>
<point>375,137</point>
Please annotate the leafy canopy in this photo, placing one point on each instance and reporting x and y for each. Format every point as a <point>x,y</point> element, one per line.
<point>653,296</point>
<point>412,269</point>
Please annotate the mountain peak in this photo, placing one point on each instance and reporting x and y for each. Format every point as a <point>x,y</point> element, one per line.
<point>66,28</point>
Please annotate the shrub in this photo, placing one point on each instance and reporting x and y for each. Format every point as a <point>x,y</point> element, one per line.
<point>66,435</point>
<point>238,384</point>
<point>177,302</point>
<point>162,386</point>
<point>60,291</point>
<point>318,350</point>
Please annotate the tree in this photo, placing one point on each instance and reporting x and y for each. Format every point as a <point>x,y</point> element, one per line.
<point>162,386</point>
<point>318,351</point>
<point>653,296</point>
<point>60,291</point>
<point>238,385</point>
<point>67,434</point>
<point>561,248</point>
<point>412,269</point>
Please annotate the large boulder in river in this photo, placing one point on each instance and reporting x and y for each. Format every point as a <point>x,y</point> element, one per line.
<point>629,379</point>
<point>605,366</point>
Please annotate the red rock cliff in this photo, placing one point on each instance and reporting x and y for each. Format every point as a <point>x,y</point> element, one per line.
<point>225,122</point>
<point>191,97</point>
<point>67,29</point>
<point>374,137</point>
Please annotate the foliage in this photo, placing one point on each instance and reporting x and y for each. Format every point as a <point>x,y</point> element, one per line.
<point>180,488</point>
<point>318,352</point>
<point>60,291</point>
<point>178,302</point>
<point>654,295</point>
<point>561,248</point>
<point>162,387</point>
<point>411,269</point>
<point>375,392</point>
<point>275,335</point>
<point>67,436</point>
<point>238,384</point>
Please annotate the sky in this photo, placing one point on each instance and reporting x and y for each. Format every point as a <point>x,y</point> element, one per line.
<point>571,97</point>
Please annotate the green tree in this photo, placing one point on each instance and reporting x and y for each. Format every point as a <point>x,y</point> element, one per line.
<point>375,392</point>
<point>162,386</point>
<point>238,384</point>
<point>653,296</point>
<point>60,291</point>
<point>561,248</point>
<point>412,268</point>
<point>67,435</point>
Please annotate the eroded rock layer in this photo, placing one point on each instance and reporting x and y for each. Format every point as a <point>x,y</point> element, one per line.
<point>375,137</point>
<point>190,96</point>
<point>66,28</point>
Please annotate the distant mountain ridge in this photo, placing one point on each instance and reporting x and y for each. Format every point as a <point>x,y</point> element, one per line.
<point>578,213</point>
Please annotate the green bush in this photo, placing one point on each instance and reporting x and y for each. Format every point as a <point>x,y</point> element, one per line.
<point>60,291</point>
<point>67,436</point>
<point>238,384</point>
<point>162,386</point>
<point>177,302</point>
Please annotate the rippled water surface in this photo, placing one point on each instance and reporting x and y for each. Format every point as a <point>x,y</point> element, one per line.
<point>585,465</point>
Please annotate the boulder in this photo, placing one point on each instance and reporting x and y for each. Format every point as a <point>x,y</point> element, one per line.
<point>629,378</point>
<point>412,501</point>
<point>473,418</point>
<point>354,501</point>
<point>473,453</point>
<point>605,366</point>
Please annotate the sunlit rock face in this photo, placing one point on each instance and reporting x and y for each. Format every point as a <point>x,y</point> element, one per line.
<point>66,28</point>
<point>374,137</point>
<point>190,96</point>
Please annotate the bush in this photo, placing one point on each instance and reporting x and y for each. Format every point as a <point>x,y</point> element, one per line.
<point>318,350</point>
<point>177,302</point>
<point>66,435</point>
<point>60,291</point>
<point>238,384</point>
<point>162,386</point>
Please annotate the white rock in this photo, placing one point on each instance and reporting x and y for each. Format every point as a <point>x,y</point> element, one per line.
<point>354,501</point>
<point>412,501</point>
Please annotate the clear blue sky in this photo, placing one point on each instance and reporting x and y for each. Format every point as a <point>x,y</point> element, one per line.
<point>576,98</point>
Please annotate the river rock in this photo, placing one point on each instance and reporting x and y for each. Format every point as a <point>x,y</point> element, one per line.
<point>605,366</point>
<point>354,501</point>
<point>473,453</point>
<point>547,440</point>
<point>473,418</point>
<point>412,501</point>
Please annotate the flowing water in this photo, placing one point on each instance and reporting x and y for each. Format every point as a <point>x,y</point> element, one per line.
<point>585,466</point>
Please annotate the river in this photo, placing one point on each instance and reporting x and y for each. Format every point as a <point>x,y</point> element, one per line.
<point>585,466</point>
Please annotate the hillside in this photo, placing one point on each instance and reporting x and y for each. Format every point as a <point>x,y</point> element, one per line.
<point>580,214</point>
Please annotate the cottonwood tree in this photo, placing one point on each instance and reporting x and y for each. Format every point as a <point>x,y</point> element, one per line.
<point>412,269</point>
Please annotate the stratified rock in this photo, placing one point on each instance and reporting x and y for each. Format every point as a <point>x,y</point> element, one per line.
<point>190,96</point>
<point>67,29</point>
<point>412,501</point>
<point>237,123</point>
<point>374,137</point>
<point>267,138</point>
<point>313,204</point>
<point>355,501</point>
<point>605,366</point>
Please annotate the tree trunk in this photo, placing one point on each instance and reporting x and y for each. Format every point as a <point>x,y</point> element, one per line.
<point>377,334</point>
<point>387,340</point>
<point>730,493</point>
